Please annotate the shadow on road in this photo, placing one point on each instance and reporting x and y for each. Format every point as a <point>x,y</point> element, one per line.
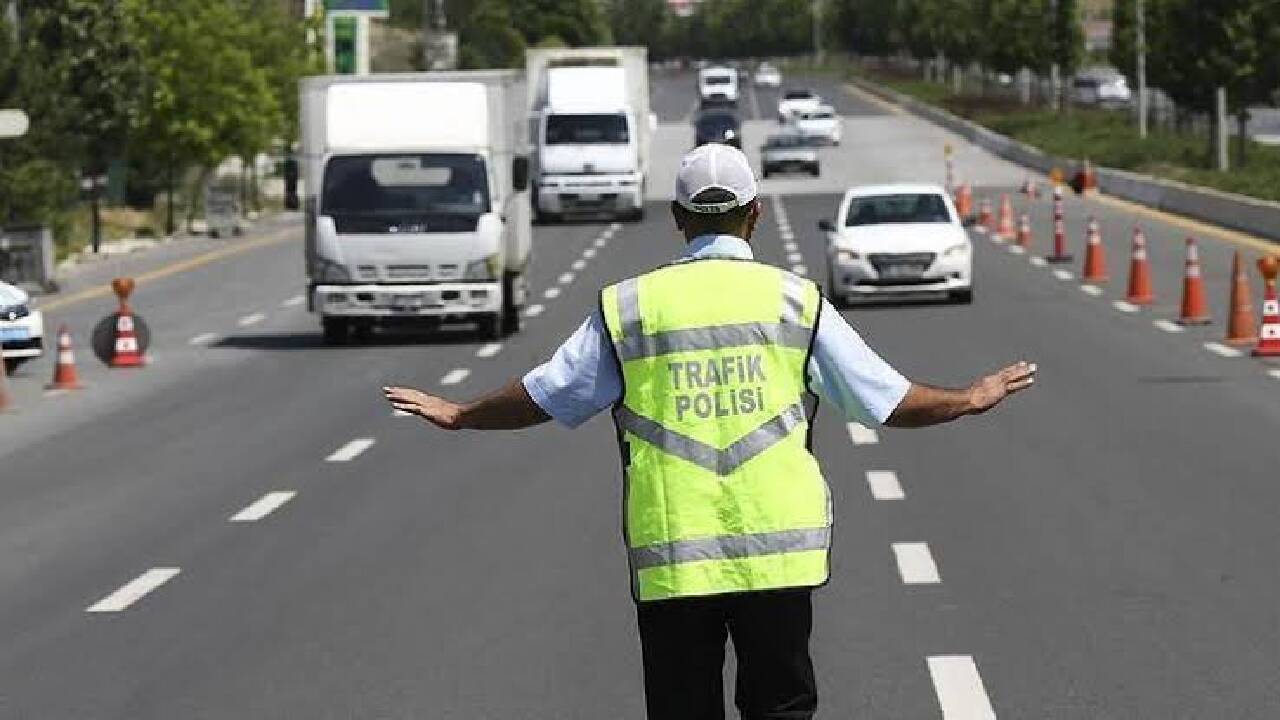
<point>381,338</point>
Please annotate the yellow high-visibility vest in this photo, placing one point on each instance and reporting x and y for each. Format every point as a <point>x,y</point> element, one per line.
<point>722,493</point>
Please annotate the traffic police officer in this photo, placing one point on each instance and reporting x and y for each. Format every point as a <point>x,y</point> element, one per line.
<point>707,363</point>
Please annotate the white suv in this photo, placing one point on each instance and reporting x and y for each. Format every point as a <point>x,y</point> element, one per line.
<point>21,328</point>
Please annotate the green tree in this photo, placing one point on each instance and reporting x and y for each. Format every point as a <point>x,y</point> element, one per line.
<point>1066,40</point>
<point>1016,35</point>
<point>1124,39</point>
<point>486,38</point>
<point>577,22</point>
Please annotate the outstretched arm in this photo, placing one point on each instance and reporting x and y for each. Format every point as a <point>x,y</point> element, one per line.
<point>924,405</point>
<point>508,408</point>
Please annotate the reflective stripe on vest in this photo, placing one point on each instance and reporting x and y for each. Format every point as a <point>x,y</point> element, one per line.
<point>722,493</point>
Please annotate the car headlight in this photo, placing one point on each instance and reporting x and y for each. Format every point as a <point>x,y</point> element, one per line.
<point>16,312</point>
<point>327,271</point>
<point>847,256</point>
<point>956,250</point>
<point>489,268</point>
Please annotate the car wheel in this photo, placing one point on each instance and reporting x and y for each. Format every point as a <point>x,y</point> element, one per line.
<point>838,301</point>
<point>962,297</point>
<point>815,171</point>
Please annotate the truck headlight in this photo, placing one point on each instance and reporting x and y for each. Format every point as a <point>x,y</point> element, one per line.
<point>846,256</point>
<point>489,268</point>
<point>327,271</point>
<point>956,251</point>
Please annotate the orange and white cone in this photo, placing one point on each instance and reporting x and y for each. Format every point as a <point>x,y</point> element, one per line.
<point>964,202</point>
<point>1005,230</point>
<point>1140,292</point>
<point>1269,342</point>
<point>1095,263</point>
<point>127,352</point>
<point>64,372</point>
<point>1024,231</point>
<point>1241,327</point>
<point>1195,311</point>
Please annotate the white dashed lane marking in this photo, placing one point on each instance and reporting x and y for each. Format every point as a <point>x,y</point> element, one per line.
<point>1017,250</point>
<point>455,376</point>
<point>961,694</point>
<point>1168,326</point>
<point>1125,307</point>
<point>1093,290</point>
<point>253,319</point>
<point>203,339</point>
<point>589,253</point>
<point>566,278</point>
<point>264,506</point>
<point>350,451</point>
<point>884,485</point>
<point>799,269</point>
<point>795,257</point>
<point>551,293</point>
<point>1222,350</point>
<point>600,242</point>
<point>915,563</point>
<point>294,301</point>
<point>862,435</point>
<point>1039,261</point>
<point>533,311</point>
<point>579,265</point>
<point>488,351</point>
<point>134,590</point>
<point>1063,275</point>
<point>1274,373</point>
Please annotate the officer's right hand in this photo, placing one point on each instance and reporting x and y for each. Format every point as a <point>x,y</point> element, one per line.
<point>435,410</point>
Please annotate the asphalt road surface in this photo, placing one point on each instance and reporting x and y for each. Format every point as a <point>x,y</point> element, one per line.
<point>244,530</point>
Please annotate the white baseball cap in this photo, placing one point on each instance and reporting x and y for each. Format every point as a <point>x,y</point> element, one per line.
<point>715,166</point>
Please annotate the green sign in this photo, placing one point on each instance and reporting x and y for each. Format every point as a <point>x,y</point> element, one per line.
<point>345,30</point>
<point>380,8</point>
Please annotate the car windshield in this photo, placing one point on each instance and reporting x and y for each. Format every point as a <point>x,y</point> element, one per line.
<point>716,80</point>
<point>587,130</point>
<point>398,186</point>
<point>901,208</point>
<point>798,95</point>
<point>786,141</point>
<point>717,123</point>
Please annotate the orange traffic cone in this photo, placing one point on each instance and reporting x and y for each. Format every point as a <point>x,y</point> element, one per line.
<point>1269,345</point>
<point>6,399</point>
<point>964,202</point>
<point>1060,254</point>
<point>986,222</point>
<point>1195,311</point>
<point>127,353</point>
<point>1005,230</point>
<point>1095,263</point>
<point>1241,329</point>
<point>1140,292</point>
<point>64,372</point>
<point>1024,231</point>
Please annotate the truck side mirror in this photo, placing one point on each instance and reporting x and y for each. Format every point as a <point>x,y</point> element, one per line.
<point>826,226</point>
<point>520,173</point>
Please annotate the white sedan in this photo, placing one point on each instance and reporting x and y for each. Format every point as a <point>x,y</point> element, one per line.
<point>794,101</point>
<point>768,76</point>
<point>821,125</point>
<point>21,328</point>
<point>898,239</point>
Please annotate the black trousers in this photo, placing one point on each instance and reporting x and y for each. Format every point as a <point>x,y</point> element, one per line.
<point>683,645</point>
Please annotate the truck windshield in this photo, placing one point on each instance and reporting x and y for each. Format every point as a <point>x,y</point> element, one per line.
<point>411,186</point>
<point>587,130</point>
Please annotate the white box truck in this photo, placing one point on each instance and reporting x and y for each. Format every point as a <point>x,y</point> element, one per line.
<point>416,202</point>
<point>590,126</point>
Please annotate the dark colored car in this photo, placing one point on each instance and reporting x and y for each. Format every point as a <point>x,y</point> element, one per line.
<point>717,126</point>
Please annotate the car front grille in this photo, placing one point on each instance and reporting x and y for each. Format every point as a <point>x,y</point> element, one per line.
<point>881,261</point>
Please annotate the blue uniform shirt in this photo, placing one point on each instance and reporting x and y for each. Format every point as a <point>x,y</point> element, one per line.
<point>582,378</point>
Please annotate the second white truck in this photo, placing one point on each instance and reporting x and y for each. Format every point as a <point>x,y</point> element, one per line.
<point>590,127</point>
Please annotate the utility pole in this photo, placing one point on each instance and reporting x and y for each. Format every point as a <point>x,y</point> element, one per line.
<point>1220,129</point>
<point>1141,48</point>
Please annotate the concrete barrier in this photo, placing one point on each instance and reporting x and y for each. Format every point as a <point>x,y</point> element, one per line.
<point>1238,212</point>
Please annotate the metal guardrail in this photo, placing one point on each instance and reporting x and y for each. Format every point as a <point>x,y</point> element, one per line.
<point>27,257</point>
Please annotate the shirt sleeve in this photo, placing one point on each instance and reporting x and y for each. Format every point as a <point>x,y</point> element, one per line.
<point>581,378</point>
<point>847,373</point>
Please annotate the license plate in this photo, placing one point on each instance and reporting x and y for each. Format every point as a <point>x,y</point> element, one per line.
<point>901,272</point>
<point>588,197</point>
<point>408,302</point>
<point>14,334</point>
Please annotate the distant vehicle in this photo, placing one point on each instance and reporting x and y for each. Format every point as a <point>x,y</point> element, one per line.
<point>895,239</point>
<point>821,125</point>
<point>718,86</point>
<point>1101,87</point>
<point>717,126</point>
<point>789,152</point>
<point>591,130</point>
<point>797,100</point>
<point>414,215</point>
<point>21,328</point>
<point>768,76</point>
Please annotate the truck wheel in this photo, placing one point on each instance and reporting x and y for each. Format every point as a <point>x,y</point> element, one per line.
<point>510,311</point>
<point>816,171</point>
<point>11,364</point>
<point>490,327</point>
<point>336,332</point>
<point>636,215</point>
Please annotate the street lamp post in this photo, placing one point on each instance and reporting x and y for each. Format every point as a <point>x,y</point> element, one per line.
<point>1141,48</point>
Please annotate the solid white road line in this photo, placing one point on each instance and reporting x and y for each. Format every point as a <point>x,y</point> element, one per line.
<point>351,450</point>
<point>1168,326</point>
<point>488,351</point>
<point>551,293</point>
<point>134,590</point>
<point>1039,261</point>
<point>589,253</point>
<point>203,339</point>
<point>959,687</point>
<point>1222,350</point>
<point>455,376</point>
<point>566,278</point>
<point>1063,275</point>
<point>862,435</point>
<point>253,319</point>
<point>579,265</point>
<point>534,310</point>
<point>1125,307</point>
<point>1093,290</point>
<point>884,485</point>
<point>915,563</point>
<point>264,506</point>
<point>294,301</point>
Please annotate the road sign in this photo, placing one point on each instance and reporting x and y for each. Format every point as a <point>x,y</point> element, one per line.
<point>372,8</point>
<point>13,123</point>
